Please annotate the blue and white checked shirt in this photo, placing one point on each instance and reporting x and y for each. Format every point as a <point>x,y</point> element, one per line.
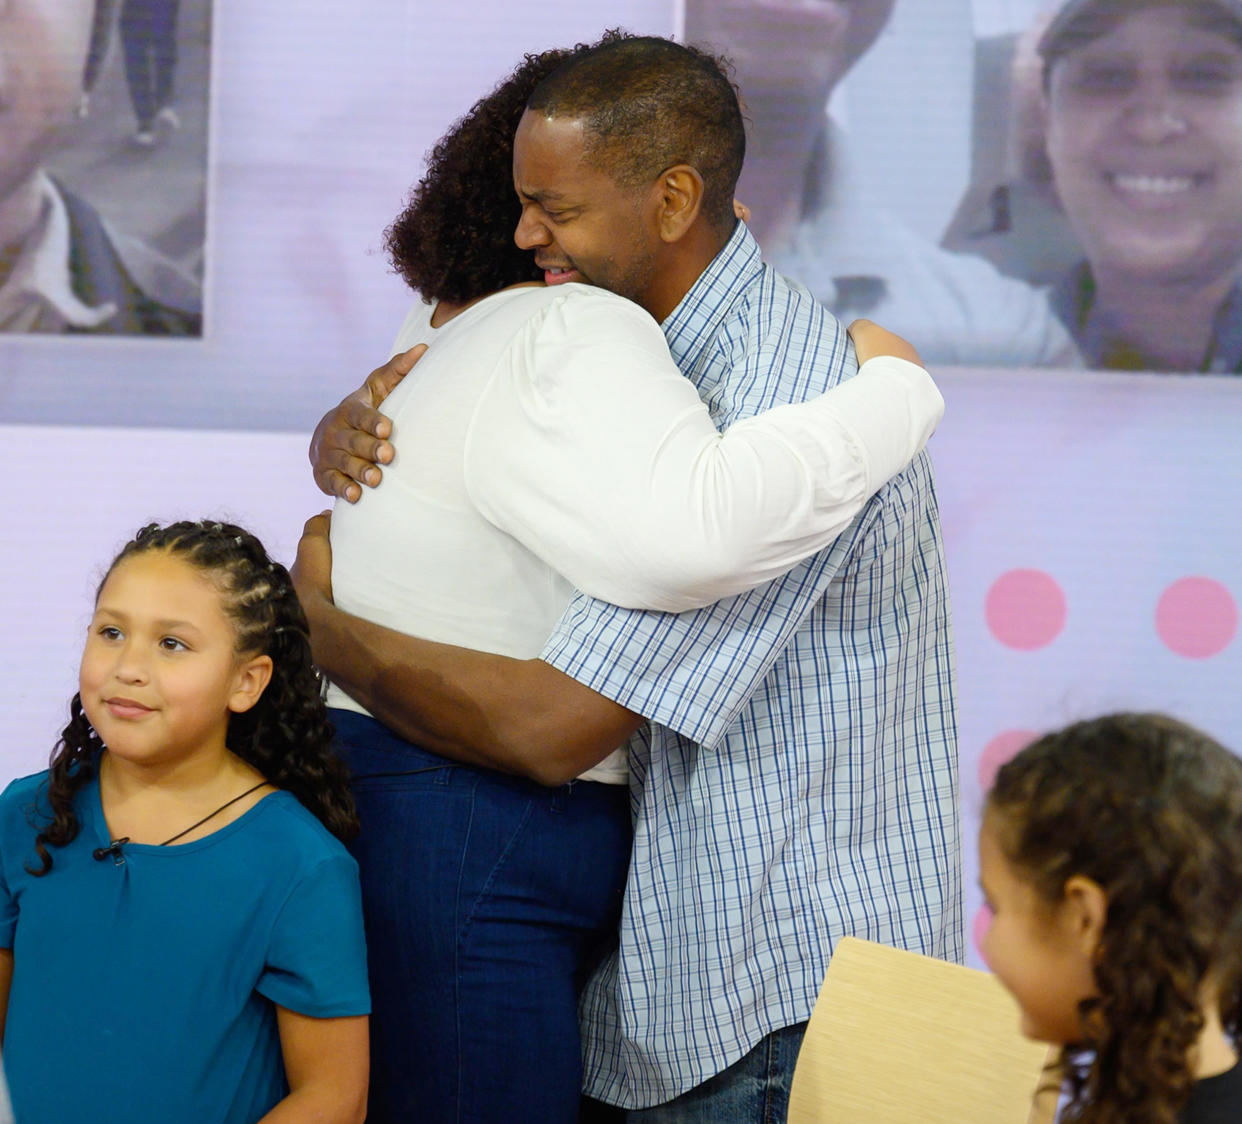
<point>797,780</point>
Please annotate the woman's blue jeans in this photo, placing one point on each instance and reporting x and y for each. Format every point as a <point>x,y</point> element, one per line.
<point>488,900</point>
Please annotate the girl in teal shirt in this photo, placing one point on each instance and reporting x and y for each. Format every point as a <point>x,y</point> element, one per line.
<point>176,916</point>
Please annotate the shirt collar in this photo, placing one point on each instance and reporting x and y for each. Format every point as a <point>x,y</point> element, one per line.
<point>38,295</point>
<point>692,326</point>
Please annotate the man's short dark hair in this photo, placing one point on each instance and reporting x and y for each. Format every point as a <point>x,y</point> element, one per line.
<point>649,104</point>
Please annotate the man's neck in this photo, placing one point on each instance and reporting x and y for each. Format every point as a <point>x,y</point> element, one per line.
<point>682,266</point>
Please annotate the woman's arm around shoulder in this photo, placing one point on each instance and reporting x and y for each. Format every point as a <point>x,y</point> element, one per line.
<point>327,1065</point>
<point>592,449</point>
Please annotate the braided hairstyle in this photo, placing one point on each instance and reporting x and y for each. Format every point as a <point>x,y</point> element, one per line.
<point>286,735</point>
<point>1151,810</point>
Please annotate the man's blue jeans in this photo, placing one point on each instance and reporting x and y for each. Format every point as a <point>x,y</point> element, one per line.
<point>753,1090</point>
<point>488,899</point>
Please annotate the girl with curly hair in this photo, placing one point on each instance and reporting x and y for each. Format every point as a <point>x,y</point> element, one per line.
<point>1111,858</point>
<point>173,902</point>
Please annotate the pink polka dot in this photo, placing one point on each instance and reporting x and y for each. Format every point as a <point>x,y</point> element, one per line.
<point>979,928</point>
<point>1196,617</point>
<point>999,750</point>
<point>1025,609</point>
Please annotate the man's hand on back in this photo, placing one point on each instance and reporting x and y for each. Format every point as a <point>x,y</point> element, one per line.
<point>311,572</point>
<point>351,441</point>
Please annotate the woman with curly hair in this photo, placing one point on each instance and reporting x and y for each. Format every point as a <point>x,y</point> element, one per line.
<point>1111,858</point>
<point>175,907</point>
<point>546,442</point>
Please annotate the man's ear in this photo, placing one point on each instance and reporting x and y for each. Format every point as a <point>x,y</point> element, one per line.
<point>679,193</point>
<point>253,676</point>
<point>1084,912</point>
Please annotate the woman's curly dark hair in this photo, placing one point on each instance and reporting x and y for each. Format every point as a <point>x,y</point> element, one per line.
<point>1151,810</point>
<point>286,735</point>
<point>454,240</point>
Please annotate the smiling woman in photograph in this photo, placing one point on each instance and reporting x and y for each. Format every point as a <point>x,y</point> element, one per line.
<point>1142,117</point>
<point>816,214</point>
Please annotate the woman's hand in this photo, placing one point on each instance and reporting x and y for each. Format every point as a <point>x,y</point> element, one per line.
<point>871,340</point>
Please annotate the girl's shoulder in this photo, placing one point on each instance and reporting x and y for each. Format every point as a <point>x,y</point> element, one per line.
<point>24,811</point>
<point>29,794</point>
<point>282,847</point>
<point>25,796</point>
<point>24,786</point>
<point>281,821</point>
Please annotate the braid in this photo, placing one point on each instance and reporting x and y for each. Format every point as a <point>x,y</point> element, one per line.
<point>286,735</point>
<point>74,762</point>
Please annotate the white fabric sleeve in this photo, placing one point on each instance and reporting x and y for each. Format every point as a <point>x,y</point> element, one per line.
<point>596,453</point>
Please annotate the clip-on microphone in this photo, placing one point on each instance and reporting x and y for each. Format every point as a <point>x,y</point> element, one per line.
<point>113,849</point>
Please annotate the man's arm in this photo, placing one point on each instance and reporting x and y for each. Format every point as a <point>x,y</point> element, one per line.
<point>518,716</point>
